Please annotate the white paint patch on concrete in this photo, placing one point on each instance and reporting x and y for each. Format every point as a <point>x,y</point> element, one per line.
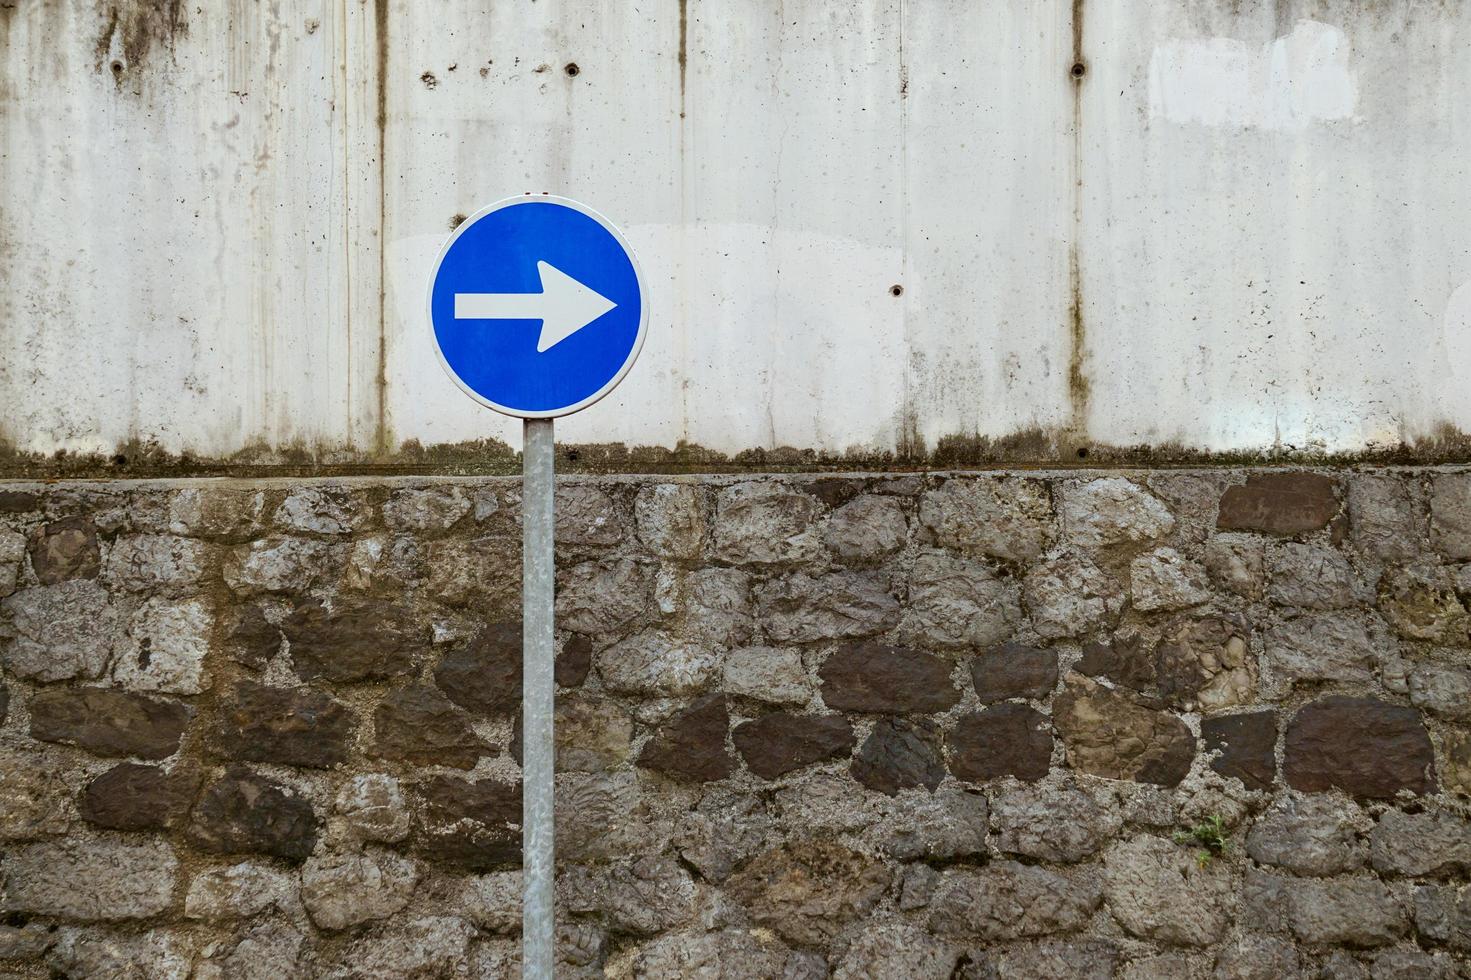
<point>1287,84</point>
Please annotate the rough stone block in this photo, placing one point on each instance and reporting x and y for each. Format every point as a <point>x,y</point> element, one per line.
<point>65,549</point>
<point>134,797</point>
<point>1006,518</point>
<point>866,530</point>
<point>344,890</point>
<point>1014,670</point>
<point>956,603</point>
<point>653,663</point>
<point>239,891</point>
<point>475,825</point>
<point>872,677</point>
<point>779,743</point>
<point>899,754</point>
<point>1309,836</point>
<point>1068,596</point>
<point>1053,823</point>
<point>1106,733</point>
<point>836,606</point>
<point>807,891</point>
<point>245,813</point>
<point>767,674</point>
<point>1006,901</point>
<point>353,640</point>
<point>1363,746</point>
<point>290,726</point>
<point>1436,843</point>
<point>691,746</point>
<point>90,880</point>
<point>766,523</point>
<point>1355,912</point>
<point>372,806</point>
<point>1279,503</point>
<point>1002,740</point>
<point>420,726</point>
<point>1450,514</point>
<point>672,519</point>
<point>1157,890</point>
<point>1164,580</point>
<point>166,647</point>
<point>1243,747</point>
<point>59,632</point>
<point>107,722</point>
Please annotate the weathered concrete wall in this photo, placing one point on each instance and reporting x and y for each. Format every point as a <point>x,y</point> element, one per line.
<point>1240,229</point>
<point>1184,724</point>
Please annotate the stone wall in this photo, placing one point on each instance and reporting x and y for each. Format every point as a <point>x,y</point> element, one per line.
<point>1136,724</point>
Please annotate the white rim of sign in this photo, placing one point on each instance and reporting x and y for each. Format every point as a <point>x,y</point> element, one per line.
<point>638,275</point>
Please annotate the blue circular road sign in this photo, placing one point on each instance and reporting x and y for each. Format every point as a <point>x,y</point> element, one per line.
<point>537,306</point>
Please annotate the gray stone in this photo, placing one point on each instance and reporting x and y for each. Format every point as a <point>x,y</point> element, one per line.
<point>918,886</point>
<point>1443,915</point>
<point>587,516</point>
<point>318,510</point>
<point>1237,563</point>
<point>729,954</point>
<point>1049,822</point>
<point>25,942</point>
<point>59,632</point>
<point>1006,901</point>
<point>1007,518</point>
<point>1407,964</point>
<point>90,880</point>
<point>808,891</point>
<point>954,602</point>
<point>1445,691</point>
<point>485,571</point>
<point>722,831</point>
<point>493,901</point>
<point>268,951</point>
<point>1311,576</point>
<point>12,552</point>
<point>344,890</point>
<point>604,600</point>
<point>604,816</point>
<point>644,897</point>
<point>1163,579</point>
<point>238,892</point>
<point>422,948</point>
<point>433,508</point>
<point>103,954</point>
<point>766,523</point>
<point>712,606</point>
<point>159,563</point>
<point>1068,595</point>
<point>896,949</point>
<point>1110,511</point>
<point>165,647</point>
<point>1354,912</point>
<point>767,674</point>
<point>1096,960</point>
<point>652,663</point>
<point>672,519</point>
<point>1309,835</point>
<point>1450,514</point>
<point>866,529</point>
<point>373,808</point>
<point>1340,965</point>
<point>1157,890</point>
<point>592,734</point>
<point>1250,957</point>
<point>837,606</point>
<point>385,564</point>
<point>1421,844</point>
<point>1381,516</point>
<point>1321,647</point>
<point>275,564</point>
<point>941,826</point>
<point>215,512</point>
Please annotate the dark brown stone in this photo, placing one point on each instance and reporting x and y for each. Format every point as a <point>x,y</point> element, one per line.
<point>1111,734</point>
<point>292,726</point>
<point>691,746</point>
<point>574,662</point>
<point>65,549</point>
<point>886,680</point>
<point>134,797</point>
<point>1279,503</point>
<point>1364,746</point>
<point>835,491</point>
<point>900,754</point>
<point>18,502</point>
<point>245,813</point>
<point>1123,660</point>
<point>355,641</point>
<point>485,677</point>
<point>474,825</point>
<point>1014,670</point>
<point>1002,740</point>
<point>779,743</point>
<point>1246,746</point>
<point>107,722</point>
<point>252,639</point>
<point>419,725</point>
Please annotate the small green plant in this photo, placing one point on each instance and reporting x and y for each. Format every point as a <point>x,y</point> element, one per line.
<point>1210,837</point>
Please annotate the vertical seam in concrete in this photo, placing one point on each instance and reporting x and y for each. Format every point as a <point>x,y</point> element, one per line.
<point>380,40</point>
<point>908,435</point>
<point>1078,384</point>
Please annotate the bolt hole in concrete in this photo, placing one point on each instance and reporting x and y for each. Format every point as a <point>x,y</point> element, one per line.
<point>572,70</point>
<point>573,455</point>
<point>120,460</point>
<point>1082,452</point>
<point>896,290</point>
<point>117,67</point>
<point>1078,69</point>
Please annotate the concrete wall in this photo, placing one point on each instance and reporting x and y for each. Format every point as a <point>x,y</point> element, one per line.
<point>1242,228</point>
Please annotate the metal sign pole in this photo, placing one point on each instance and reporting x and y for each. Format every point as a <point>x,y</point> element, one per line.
<point>538,579</point>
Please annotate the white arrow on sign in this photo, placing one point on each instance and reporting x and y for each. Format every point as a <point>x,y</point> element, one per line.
<point>564,306</point>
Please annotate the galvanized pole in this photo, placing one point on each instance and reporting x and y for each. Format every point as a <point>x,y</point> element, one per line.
<point>538,577</point>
